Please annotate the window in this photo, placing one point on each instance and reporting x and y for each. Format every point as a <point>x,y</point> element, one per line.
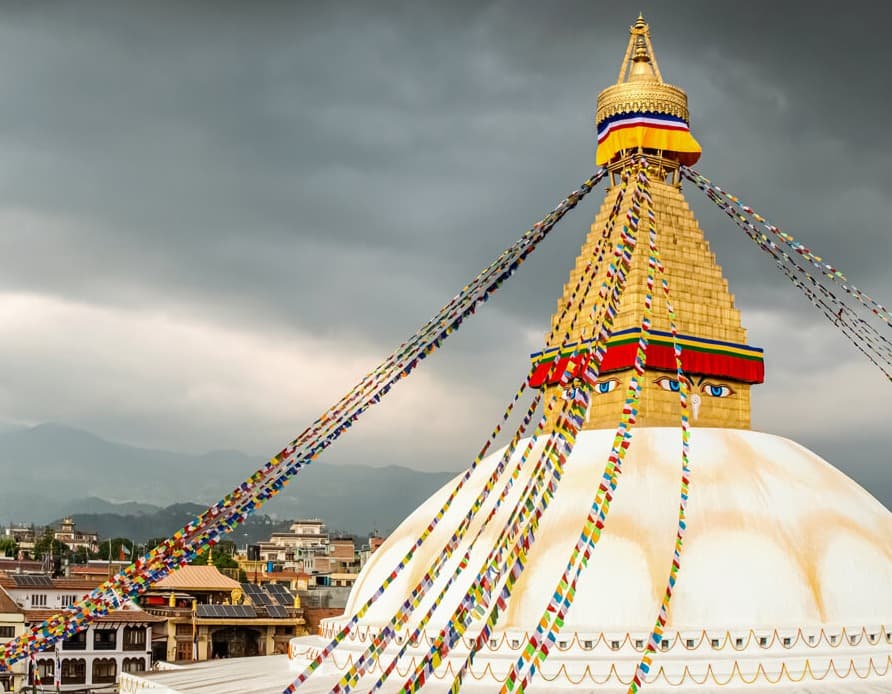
<point>74,671</point>
<point>38,600</point>
<point>7,632</point>
<point>105,671</point>
<point>184,630</point>
<point>738,642</point>
<point>763,641</point>
<point>714,643</point>
<point>78,642</point>
<point>68,600</point>
<point>134,638</point>
<point>105,639</point>
<point>134,665</point>
<point>46,669</point>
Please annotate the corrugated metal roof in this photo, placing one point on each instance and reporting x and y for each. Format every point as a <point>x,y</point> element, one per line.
<point>197,578</point>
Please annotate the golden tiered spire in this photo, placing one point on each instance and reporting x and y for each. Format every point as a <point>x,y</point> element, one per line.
<point>640,93</point>
<point>640,62</point>
<point>719,365</point>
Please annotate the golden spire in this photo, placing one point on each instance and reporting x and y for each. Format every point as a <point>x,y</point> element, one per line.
<point>720,367</point>
<point>640,62</point>
<point>641,91</point>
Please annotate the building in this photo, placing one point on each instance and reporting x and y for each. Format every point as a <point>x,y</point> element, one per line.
<point>298,548</point>
<point>95,569</point>
<point>93,659</point>
<point>206,615</point>
<point>12,625</point>
<point>25,536</point>
<point>76,539</point>
<point>367,550</point>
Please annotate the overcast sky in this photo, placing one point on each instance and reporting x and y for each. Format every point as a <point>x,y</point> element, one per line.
<point>214,217</point>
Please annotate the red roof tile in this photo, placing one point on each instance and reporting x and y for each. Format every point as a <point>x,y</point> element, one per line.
<point>7,604</point>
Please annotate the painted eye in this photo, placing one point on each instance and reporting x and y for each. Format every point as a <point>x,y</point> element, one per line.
<point>716,390</point>
<point>602,387</point>
<point>669,384</point>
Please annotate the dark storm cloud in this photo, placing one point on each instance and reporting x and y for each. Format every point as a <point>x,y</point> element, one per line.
<point>341,169</point>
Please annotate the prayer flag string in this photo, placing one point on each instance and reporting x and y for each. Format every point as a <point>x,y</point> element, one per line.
<point>656,636</point>
<point>230,511</point>
<point>541,641</point>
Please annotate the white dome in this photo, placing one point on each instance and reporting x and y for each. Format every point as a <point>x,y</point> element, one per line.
<point>776,537</point>
<point>786,573</point>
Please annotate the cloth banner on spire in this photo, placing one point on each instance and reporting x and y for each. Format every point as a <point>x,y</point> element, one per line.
<point>646,130</point>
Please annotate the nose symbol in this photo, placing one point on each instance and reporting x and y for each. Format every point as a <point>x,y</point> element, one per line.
<point>695,404</point>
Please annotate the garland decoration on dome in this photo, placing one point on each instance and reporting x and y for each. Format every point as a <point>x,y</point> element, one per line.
<point>229,512</point>
<point>869,341</point>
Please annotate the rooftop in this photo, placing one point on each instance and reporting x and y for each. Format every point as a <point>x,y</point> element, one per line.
<point>128,616</point>
<point>44,582</point>
<point>197,578</point>
<point>7,604</point>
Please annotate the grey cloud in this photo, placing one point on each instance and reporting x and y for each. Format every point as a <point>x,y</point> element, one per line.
<point>344,168</point>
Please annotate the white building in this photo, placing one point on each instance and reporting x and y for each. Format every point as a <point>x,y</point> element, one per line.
<point>93,659</point>
<point>297,549</point>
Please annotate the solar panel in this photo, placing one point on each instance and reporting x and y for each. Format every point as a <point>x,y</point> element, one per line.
<point>32,581</point>
<point>277,611</point>
<point>205,611</point>
<point>250,588</point>
<point>281,594</point>
<point>261,599</point>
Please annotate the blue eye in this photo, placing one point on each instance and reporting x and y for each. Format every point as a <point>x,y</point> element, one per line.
<point>606,386</point>
<point>717,390</point>
<point>669,384</point>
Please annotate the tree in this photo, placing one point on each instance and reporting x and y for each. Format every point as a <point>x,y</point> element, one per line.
<point>220,558</point>
<point>9,547</point>
<point>48,545</point>
<point>121,549</point>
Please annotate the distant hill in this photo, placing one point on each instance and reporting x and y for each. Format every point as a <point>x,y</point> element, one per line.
<point>49,471</point>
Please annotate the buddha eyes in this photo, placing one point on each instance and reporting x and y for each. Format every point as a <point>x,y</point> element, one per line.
<point>606,386</point>
<point>669,384</point>
<point>716,390</point>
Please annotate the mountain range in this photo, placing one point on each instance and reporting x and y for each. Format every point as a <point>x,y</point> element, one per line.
<point>49,471</point>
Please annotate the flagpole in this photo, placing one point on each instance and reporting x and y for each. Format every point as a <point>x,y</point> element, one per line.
<point>57,670</point>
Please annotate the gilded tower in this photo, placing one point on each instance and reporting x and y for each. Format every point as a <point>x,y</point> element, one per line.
<point>642,116</point>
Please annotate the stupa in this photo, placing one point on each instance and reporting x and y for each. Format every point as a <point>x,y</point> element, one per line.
<point>786,572</point>
<point>786,577</point>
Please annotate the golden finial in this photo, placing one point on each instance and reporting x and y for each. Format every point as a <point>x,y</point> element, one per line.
<point>640,62</point>
<point>640,86</point>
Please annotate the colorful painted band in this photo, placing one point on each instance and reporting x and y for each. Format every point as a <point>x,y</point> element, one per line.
<point>699,356</point>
